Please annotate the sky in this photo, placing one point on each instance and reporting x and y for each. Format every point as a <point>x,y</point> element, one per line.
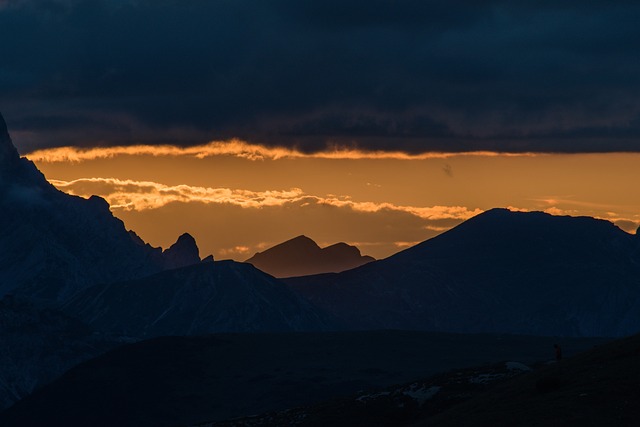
<point>381,122</point>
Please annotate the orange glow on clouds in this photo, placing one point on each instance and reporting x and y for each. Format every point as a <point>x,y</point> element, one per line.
<point>143,195</point>
<point>238,198</point>
<point>241,149</point>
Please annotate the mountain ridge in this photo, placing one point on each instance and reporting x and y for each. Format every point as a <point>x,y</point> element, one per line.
<point>58,244</point>
<point>302,256</point>
<point>210,297</point>
<point>499,272</point>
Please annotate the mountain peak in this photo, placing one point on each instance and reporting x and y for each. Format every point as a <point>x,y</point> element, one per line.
<point>302,256</point>
<point>301,240</point>
<point>8,152</point>
<point>182,253</point>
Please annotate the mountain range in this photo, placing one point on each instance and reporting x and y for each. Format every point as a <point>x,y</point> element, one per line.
<point>301,256</point>
<point>77,283</point>
<point>62,252</point>
<point>499,272</point>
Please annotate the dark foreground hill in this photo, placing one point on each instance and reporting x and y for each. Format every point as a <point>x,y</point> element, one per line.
<point>183,381</point>
<point>502,272</point>
<point>302,256</point>
<point>37,345</point>
<point>598,388</point>
<point>210,297</point>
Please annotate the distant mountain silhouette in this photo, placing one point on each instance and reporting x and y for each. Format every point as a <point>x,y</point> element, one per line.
<point>54,244</point>
<point>302,256</point>
<point>182,253</point>
<point>501,271</point>
<point>224,296</point>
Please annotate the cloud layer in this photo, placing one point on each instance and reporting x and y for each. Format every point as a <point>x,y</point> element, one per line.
<point>409,76</point>
<point>238,222</point>
<point>241,149</point>
<point>143,195</point>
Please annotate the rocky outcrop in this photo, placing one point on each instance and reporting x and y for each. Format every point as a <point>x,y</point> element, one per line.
<point>182,253</point>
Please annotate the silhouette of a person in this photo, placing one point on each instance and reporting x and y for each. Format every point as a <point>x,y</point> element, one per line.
<point>558,352</point>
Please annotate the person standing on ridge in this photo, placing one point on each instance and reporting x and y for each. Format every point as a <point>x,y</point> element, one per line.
<point>558,352</point>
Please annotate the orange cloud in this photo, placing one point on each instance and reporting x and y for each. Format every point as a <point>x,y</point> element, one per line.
<point>242,149</point>
<point>143,195</point>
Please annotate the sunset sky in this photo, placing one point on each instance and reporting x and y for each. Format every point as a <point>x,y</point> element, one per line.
<point>380,123</point>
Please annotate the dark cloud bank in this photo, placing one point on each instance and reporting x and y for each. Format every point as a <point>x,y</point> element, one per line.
<point>380,74</point>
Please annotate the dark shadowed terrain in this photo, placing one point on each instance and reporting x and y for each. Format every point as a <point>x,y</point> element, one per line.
<point>209,297</point>
<point>181,381</point>
<point>37,345</point>
<point>599,387</point>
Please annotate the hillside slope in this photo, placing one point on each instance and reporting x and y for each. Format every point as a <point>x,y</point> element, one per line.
<point>501,271</point>
<point>223,296</point>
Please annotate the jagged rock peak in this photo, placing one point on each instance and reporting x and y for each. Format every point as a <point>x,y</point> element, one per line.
<point>8,152</point>
<point>185,239</point>
<point>182,253</point>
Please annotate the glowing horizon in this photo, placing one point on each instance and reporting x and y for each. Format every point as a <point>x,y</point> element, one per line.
<point>238,198</point>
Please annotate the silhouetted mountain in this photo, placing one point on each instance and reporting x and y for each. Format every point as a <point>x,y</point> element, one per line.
<point>178,381</point>
<point>301,256</point>
<point>182,253</point>
<point>501,271</point>
<point>9,156</point>
<point>38,345</point>
<point>222,296</point>
<point>54,244</point>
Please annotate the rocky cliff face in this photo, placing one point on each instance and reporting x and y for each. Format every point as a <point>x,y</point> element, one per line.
<point>53,244</point>
<point>8,153</point>
<point>182,253</point>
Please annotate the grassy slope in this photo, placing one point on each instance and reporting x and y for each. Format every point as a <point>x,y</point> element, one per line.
<point>600,387</point>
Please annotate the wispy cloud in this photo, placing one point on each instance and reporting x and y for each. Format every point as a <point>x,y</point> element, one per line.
<point>143,195</point>
<point>242,149</point>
